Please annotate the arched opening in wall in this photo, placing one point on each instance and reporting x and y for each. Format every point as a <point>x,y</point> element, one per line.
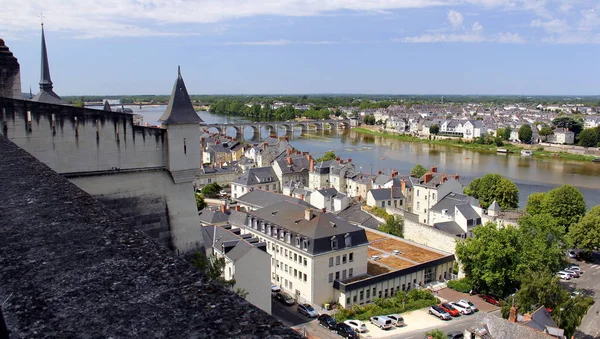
<point>53,124</point>
<point>214,130</point>
<point>184,146</point>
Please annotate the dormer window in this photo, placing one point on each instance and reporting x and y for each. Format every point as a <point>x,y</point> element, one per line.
<point>334,243</point>
<point>297,241</point>
<point>305,245</point>
<point>262,226</point>
<point>269,229</point>
<point>348,240</point>
<point>289,238</point>
<point>281,235</point>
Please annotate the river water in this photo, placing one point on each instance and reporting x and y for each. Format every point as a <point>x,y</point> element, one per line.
<point>372,153</point>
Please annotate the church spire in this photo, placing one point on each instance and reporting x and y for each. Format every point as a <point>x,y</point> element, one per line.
<point>45,81</point>
<point>180,109</point>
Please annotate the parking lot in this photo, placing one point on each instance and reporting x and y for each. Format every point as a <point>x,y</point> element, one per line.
<point>589,283</point>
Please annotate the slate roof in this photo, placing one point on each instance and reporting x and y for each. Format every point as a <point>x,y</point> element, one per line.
<point>46,93</point>
<point>328,192</point>
<point>319,230</point>
<point>260,198</point>
<point>107,106</point>
<point>494,207</point>
<point>355,215</point>
<point>208,216</point>
<point>450,227</point>
<point>382,179</point>
<point>299,164</point>
<point>467,211</point>
<point>541,320</point>
<point>387,193</point>
<point>79,270</point>
<point>225,236</point>
<point>256,176</point>
<point>180,109</point>
<point>453,199</point>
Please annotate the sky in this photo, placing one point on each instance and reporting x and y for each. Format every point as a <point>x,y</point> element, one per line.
<point>121,47</point>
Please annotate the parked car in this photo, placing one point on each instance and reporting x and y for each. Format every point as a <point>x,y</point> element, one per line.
<point>563,275</point>
<point>490,299</point>
<point>450,309</point>
<point>307,310</point>
<point>439,312</point>
<point>275,288</point>
<point>382,322</point>
<point>462,308</point>
<point>573,273</point>
<point>397,320</point>
<point>471,305</point>
<point>572,254</point>
<point>575,268</point>
<point>285,298</point>
<point>455,335</point>
<point>357,325</point>
<point>327,321</point>
<point>345,331</point>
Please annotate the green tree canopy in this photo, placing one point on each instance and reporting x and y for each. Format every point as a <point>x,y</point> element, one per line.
<point>542,244</point>
<point>506,133</point>
<point>434,129</point>
<point>534,203</point>
<point>574,125</point>
<point>200,204</point>
<point>492,187</point>
<point>393,225</point>
<point>525,133</point>
<point>588,138</point>
<point>546,131</point>
<point>436,334</point>
<point>211,190</point>
<point>585,234</point>
<point>418,171</point>
<point>566,204</point>
<point>329,155</point>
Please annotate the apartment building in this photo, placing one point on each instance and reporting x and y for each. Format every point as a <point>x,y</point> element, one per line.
<point>293,168</point>
<point>561,136</point>
<point>309,249</point>
<point>429,189</point>
<point>262,178</point>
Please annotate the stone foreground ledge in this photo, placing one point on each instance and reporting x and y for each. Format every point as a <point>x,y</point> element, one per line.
<point>75,269</point>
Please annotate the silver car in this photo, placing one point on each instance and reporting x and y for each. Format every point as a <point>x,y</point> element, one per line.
<point>382,322</point>
<point>397,320</point>
<point>471,305</point>
<point>461,307</point>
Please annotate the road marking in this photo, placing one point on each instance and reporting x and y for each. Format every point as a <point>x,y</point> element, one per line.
<point>594,266</point>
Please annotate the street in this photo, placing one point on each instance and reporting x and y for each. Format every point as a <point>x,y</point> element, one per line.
<point>589,283</point>
<point>290,317</point>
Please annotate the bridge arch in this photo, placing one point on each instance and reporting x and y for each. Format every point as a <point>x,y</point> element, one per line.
<point>214,129</point>
<point>289,128</point>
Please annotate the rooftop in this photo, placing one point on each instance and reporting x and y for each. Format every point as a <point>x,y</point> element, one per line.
<point>76,269</point>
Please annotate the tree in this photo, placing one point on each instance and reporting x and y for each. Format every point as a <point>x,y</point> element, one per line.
<point>329,155</point>
<point>546,131</point>
<point>498,141</point>
<point>393,225</point>
<point>566,204</point>
<point>540,288</point>
<point>588,138</point>
<point>213,267</point>
<point>525,133</point>
<point>492,187</point>
<point>436,334</point>
<point>490,258</point>
<point>211,190</point>
<point>434,129</point>
<point>200,204</point>
<point>418,171</point>
<point>506,133</point>
<point>575,126</point>
<point>585,234</point>
<point>542,244</point>
<point>534,203</point>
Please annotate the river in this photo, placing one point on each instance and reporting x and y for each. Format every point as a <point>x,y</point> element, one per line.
<point>371,153</point>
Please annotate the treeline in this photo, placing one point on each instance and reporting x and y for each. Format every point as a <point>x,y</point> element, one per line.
<point>267,113</point>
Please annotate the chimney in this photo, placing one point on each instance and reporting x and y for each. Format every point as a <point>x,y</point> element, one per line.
<point>220,164</point>
<point>444,178</point>
<point>379,172</point>
<point>212,165</point>
<point>312,164</point>
<point>514,313</point>
<point>305,153</point>
<point>237,208</point>
<point>324,210</point>
<point>223,208</point>
<point>308,157</point>
<point>308,214</point>
<point>264,146</point>
<point>289,161</point>
<point>288,151</point>
<point>434,169</point>
<point>456,176</point>
<point>428,177</point>
<point>403,185</point>
<point>302,196</point>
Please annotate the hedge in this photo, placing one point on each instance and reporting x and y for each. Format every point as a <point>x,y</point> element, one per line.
<point>460,285</point>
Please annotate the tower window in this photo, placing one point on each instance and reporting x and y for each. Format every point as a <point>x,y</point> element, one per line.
<point>184,146</point>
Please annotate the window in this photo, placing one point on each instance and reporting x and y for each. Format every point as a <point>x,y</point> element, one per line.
<point>262,227</point>
<point>351,257</point>
<point>347,301</point>
<point>330,277</point>
<point>418,205</point>
<point>383,204</point>
<point>277,261</point>
<point>334,244</point>
<point>337,260</point>
<point>289,238</point>
<point>286,255</point>
<point>295,273</point>
<point>354,298</point>
<point>344,276</point>
<point>286,268</point>
<point>305,244</point>
<point>295,257</point>
<point>269,230</point>
<point>337,275</point>
<point>274,187</point>
<point>433,196</point>
<point>417,193</point>
<point>291,285</point>
<point>350,272</point>
<point>343,259</point>
<point>348,240</point>
<point>305,278</point>
<point>298,242</point>
<point>305,262</point>
<point>368,293</point>
<point>389,203</point>
<point>331,262</point>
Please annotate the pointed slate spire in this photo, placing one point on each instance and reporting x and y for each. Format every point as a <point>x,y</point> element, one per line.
<point>494,207</point>
<point>45,81</point>
<point>107,106</point>
<point>180,109</point>
<point>46,94</point>
<point>30,93</point>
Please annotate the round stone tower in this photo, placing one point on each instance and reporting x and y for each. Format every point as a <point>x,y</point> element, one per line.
<point>10,74</point>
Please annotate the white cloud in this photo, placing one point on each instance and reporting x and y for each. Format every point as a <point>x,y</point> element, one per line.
<point>589,20</point>
<point>552,26</point>
<point>261,43</point>
<point>477,28</point>
<point>510,38</point>
<point>455,19</point>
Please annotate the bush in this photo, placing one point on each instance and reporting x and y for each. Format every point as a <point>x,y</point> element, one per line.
<point>461,285</point>
<point>540,149</point>
<point>401,302</point>
<point>380,212</point>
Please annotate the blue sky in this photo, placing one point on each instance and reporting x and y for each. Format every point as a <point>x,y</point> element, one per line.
<point>310,46</point>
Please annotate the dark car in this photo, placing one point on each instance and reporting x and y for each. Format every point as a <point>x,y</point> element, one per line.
<point>327,321</point>
<point>284,298</point>
<point>345,331</point>
<point>450,309</point>
<point>490,299</point>
<point>307,310</point>
<point>455,335</point>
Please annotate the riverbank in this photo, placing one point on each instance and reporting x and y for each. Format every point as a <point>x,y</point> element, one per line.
<point>537,152</point>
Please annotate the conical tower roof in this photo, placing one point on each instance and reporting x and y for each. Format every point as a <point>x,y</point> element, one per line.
<point>107,106</point>
<point>180,109</point>
<point>46,93</point>
<point>494,207</point>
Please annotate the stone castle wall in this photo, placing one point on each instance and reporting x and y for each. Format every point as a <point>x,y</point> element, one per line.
<point>73,140</point>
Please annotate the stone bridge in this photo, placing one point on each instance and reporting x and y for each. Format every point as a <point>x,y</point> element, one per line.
<point>274,126</point>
